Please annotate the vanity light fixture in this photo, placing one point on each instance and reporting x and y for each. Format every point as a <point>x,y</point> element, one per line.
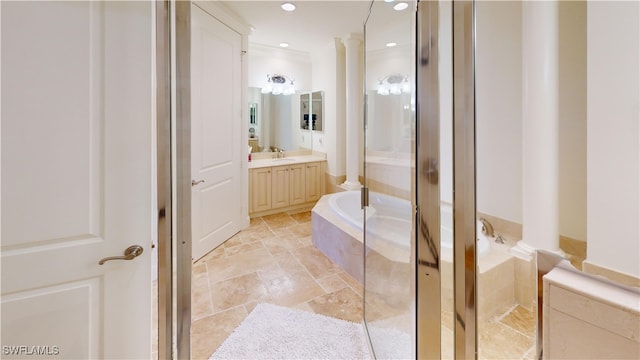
<point>279,84</point>
<point>394,85</point>
<point>400,6</point>
<point>288,6</point>
<point>284,44</point>
<point>391,44</point>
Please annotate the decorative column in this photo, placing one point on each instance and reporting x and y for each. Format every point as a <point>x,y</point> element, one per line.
<point>540,128</point>
<point>353,45</point>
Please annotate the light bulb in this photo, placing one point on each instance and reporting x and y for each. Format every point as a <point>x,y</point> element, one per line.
<point>400,6</point>
<point>288,6</point>
<point>406,87</point>
<point>383,90</point>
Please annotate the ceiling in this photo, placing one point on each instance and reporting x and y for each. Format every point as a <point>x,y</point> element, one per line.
<point>312,26</point>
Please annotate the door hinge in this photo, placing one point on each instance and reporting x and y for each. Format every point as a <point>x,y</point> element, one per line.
<point>364,197</point>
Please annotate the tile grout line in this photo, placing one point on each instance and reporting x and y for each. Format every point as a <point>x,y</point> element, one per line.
<point>213,310</point>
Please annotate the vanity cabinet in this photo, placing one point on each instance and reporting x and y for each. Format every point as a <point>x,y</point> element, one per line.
<point>313,180</point>
<point>285,187</point>
<point>260,189</point>
<point>297,188</point>
<point>279,186</point>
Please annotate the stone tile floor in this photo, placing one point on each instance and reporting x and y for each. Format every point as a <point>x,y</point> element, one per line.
<point>272,261</point>
<point>275,261</point>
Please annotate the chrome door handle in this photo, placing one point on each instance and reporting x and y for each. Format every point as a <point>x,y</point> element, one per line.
<point>130,253</point>
<point>194,183</point>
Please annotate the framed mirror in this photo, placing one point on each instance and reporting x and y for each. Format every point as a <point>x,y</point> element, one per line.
<point>317,108</point>
<point>253,112</point>
<point>311,110</point>
<point>305,110</point>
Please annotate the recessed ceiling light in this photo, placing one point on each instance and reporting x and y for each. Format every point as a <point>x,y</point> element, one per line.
<point>288,6</point>
<point>391,44</point>
<point>400,6</point>
<point>284,45</point>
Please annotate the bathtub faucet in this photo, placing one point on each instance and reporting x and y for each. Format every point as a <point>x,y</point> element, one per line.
<point>487,229</point>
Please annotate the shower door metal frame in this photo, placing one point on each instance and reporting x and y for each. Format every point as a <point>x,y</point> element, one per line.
<point>464,182</point>
<point>182,160</point>
<point>428,273</point>
<point>428,269</point>
<point>165,287</point>
<point>173,46</point>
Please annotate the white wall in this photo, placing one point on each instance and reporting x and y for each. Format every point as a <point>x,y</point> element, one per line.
<point>328,74</point>
<point>499,113</point>
<point>265,60</point>
<point>613,162</point>
<point>573,119</point>
<point>499,109</point>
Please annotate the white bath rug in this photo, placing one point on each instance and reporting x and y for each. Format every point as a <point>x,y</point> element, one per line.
<point>275,332</point>
<point>389,343</point>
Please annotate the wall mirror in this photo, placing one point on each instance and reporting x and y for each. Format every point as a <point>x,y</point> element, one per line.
<point>311,111</point>
<point>305,110</point>
<point>273,122</point>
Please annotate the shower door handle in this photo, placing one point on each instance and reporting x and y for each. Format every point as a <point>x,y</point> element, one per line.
<point>430,171</point>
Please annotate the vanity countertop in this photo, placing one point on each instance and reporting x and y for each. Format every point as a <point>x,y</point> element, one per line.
<point>254,164</point>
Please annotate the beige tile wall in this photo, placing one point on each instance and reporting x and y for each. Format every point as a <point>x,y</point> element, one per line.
<point>333,183</point>
<point>615,276</point>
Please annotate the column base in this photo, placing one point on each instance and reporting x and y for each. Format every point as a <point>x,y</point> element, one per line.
<point>525,251</point>
<point>351,185</point>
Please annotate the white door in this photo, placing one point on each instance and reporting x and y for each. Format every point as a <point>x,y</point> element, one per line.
<point>76,179</point>
<point>216,200</point>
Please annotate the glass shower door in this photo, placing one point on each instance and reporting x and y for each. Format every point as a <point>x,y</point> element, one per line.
<point>389,158</point>
<point>420,248</point>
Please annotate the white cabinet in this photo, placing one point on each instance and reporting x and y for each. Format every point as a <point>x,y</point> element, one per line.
<point>286,187</point>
